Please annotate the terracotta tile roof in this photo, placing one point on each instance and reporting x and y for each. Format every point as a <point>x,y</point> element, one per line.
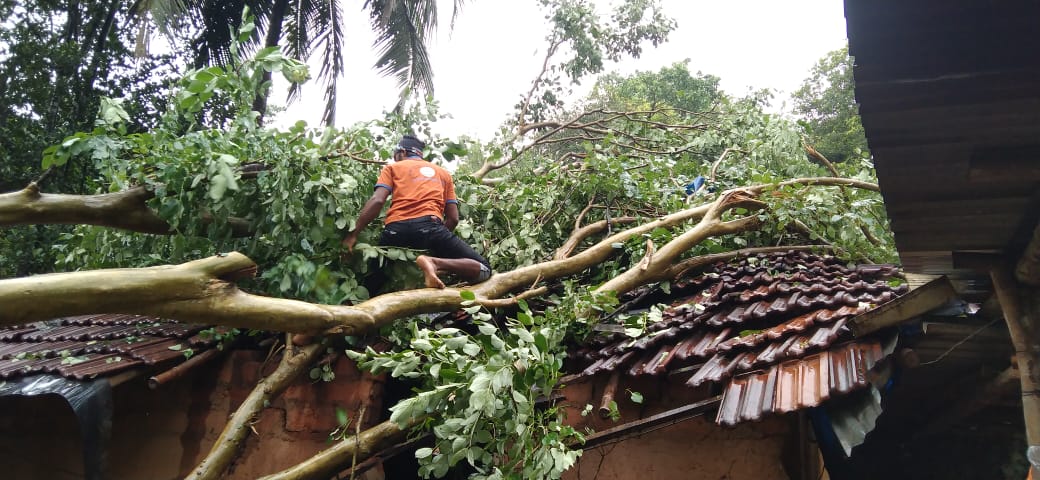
<point>91,346</point>
<point>770,328</point>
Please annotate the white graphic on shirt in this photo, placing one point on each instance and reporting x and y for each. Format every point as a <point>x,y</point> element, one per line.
<point>427,172</point>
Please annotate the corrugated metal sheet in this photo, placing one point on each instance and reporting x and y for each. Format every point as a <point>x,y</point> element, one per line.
<point>91,346</point>
<point>799,384</point>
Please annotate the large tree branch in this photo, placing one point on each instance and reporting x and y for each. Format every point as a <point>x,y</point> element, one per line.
<point>294,362</point>
<point>580,234</point>
<point>202,291</point>
<point>126,210</point>
<point>339,456</point>
<point>656,267</point>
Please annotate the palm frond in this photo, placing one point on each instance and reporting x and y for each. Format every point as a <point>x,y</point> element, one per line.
<point>401,28</point>
<point>332,57</point>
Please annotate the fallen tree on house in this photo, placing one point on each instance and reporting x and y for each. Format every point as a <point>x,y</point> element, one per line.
<point>612,216</point>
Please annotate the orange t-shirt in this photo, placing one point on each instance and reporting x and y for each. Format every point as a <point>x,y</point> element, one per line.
<point>418,188</point>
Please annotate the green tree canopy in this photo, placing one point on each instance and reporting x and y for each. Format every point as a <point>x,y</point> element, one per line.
<point>671,87</point>
<point>827,103</point>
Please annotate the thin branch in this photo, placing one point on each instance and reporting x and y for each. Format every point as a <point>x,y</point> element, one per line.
<point>510,301</point>
<point>834,171</point>
<point>579,235</point>
<point>554,43</point>
<point>715,165</point>
<point>333,459</point>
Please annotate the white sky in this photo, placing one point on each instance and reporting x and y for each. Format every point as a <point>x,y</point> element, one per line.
<point>483,66</point>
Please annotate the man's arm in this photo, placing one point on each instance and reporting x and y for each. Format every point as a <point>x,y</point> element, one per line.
<point>451,216</point>
<point>372,207</point>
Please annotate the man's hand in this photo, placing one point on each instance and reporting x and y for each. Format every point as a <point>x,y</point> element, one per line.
<point>349,241</point>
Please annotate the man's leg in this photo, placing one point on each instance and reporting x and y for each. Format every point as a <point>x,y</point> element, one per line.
<point>465,268</point>
<point>449,254</point>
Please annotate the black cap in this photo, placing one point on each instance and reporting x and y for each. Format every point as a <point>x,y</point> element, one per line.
<point>411,145</point>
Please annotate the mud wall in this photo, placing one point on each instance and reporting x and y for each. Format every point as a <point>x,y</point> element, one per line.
<point>163,433</point>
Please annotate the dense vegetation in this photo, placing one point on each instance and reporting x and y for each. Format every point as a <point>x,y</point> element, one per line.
<point>639,149</point>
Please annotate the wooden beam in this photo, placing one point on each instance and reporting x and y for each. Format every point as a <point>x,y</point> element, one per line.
<point>1022,314</point>
<point>927,296</point>
<point>663,419</point>
<point>977,261</point>
<point>1017,164</point>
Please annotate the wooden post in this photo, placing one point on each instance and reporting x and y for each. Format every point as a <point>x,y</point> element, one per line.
<point>1021,312</point>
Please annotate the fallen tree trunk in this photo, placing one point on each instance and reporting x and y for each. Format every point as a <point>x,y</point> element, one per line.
<point>126,210</point>
<point>203,291</point>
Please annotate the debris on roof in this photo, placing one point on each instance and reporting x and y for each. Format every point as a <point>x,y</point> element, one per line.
<point>772,330</point>
<point>93,346</point>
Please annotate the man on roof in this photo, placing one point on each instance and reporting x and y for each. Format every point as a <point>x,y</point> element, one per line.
<point>423,214</point>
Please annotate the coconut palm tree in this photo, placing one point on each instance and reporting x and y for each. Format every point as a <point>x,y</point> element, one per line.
<point>309,27</point>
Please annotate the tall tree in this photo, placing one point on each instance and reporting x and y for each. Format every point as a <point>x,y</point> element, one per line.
<point>827,103</point>
<point>671,87</point>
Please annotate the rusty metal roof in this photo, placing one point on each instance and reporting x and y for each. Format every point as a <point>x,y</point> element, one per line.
<point>91,346</point>
<point>770,328</point>
<point>798,384</point>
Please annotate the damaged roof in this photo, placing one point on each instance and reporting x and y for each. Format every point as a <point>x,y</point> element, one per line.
<point>91,346</point>
<point>771,329</point>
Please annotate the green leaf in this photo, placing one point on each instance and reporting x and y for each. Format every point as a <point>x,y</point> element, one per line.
<point>467,295</point>
<point>487,329</point>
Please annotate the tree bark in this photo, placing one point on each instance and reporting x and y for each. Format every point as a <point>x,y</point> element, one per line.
<point>711,224</point>
<point>338,457</point>
<point>126,210</point>
<point>294,362</point>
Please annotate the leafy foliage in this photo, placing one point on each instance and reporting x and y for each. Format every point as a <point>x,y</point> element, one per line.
<point>479,394</point>
<point>672,87</point>
<point>585,38</point>
<point>827,102</point>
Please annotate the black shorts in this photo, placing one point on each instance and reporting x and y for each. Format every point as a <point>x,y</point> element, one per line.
<point>428,233</point>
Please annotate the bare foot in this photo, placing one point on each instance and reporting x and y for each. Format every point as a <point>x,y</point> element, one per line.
<point>429,270</point>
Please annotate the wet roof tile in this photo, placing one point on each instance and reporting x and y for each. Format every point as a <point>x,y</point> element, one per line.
<point>90,346</point>
<point>765,327</point>
<point>800,383</point>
